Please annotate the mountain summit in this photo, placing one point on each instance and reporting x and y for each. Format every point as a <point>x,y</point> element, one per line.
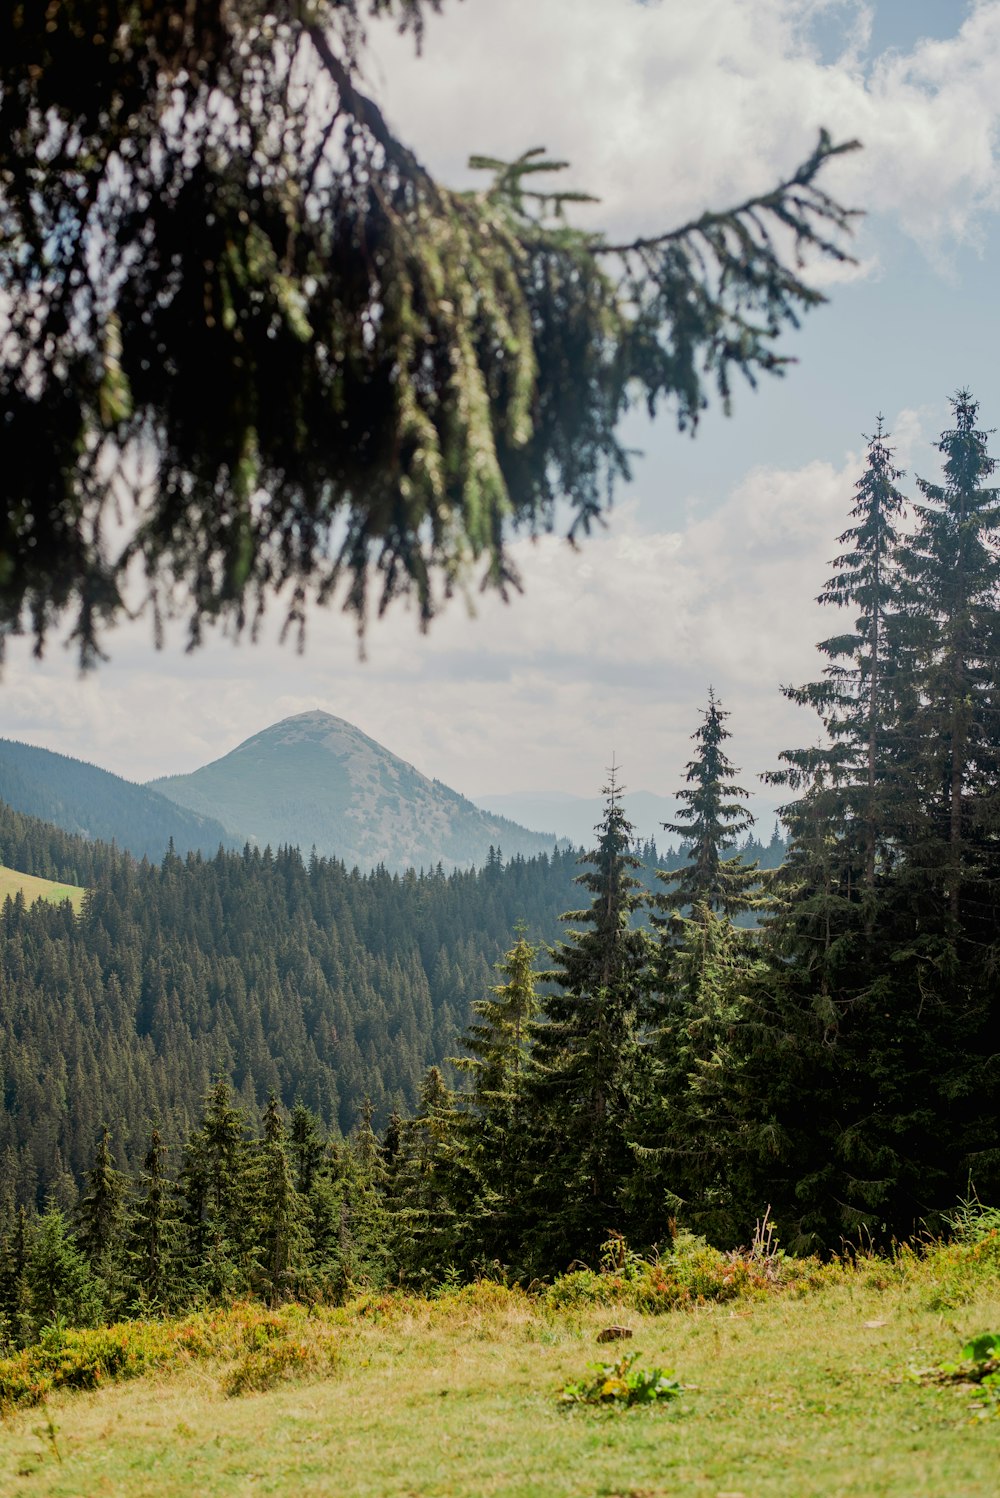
<point>318,782</point>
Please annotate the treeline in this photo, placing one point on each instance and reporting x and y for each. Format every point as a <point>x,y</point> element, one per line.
<point>303,978</point>
<point>33,846</point>
<point>289,1213</point>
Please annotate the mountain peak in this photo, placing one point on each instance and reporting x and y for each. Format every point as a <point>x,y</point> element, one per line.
<point>318,781</point>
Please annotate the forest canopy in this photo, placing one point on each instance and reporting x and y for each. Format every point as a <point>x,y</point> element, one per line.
<point>249,346</point>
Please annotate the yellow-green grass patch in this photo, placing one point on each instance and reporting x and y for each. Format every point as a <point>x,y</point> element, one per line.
<point>33,888</point>
<point>804,1394</point>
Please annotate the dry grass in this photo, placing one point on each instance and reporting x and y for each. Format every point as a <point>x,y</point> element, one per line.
<point>803,1394</point>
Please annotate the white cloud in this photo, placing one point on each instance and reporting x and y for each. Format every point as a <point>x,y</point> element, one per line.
<point>666,108</point>
<point>611,648</point>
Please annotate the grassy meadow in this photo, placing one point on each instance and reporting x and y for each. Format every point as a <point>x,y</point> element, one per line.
<point>814,1380</point>
<point>34,888</point>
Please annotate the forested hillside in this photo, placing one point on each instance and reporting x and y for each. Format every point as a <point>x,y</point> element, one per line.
<point>276,973</point>
<point>306,979</point>
<point>84,799</point>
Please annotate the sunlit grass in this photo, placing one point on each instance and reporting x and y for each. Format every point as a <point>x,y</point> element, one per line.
<point>803,1391</point>
<point>34,888</point>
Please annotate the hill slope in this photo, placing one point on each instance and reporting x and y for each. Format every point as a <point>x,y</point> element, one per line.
<point>317,781</point>
<point>13,883</point>
<point>93,803</point>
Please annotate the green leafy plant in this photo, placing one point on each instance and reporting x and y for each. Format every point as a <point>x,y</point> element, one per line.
<point>978,1370</point>
<point>983,1350</point>
<point>621,1385</point>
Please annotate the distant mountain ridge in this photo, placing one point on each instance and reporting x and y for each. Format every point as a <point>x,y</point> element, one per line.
<point>316,781</point>
<point>93,803</point>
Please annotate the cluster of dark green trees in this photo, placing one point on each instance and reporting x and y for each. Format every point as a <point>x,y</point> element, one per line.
<point>838,1063</point>
<point>288,1214</point>
<point>283,975</point>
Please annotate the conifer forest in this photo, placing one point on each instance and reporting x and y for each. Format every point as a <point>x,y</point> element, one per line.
<point>256,1074</point>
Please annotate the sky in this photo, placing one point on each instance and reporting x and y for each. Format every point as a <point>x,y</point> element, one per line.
<point>708,570</point>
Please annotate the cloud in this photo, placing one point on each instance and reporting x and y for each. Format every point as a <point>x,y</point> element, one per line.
<point>666,108</point>
<point>611,648</point>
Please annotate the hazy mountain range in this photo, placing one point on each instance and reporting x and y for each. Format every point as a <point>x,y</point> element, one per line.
<point>311,781</point>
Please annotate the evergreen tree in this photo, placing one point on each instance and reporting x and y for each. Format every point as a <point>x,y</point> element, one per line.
<point>877,1002</point>
<point>491,1119</point>
<point>218,1198</point>
<point>154,1245</point>
<point>361,1254</point>
<point>953,577</point>
<point>307,1146</point>
<point>701,962</point>
<point>58,1281</point>
<point>429,1187</point>
<point>101,1217</point>
<point>585,1055</point>
<point>710,821</point>
<point>866,688</point>
<point>281,1219</point>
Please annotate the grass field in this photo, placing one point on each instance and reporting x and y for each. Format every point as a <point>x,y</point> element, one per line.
<point>37,889</point>
<point>807,1392</point>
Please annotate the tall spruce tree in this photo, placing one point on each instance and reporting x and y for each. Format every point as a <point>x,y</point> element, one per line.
<point>430,1187</point>
<point>281,1229</point>
<point>155,1235</point>
<point>491,1120</point>
<point>877,999</point>
<point>217,1191</point>
<point>711,820</point>
<point>865,687</point>
<point>101,1215</point>
<point>700,962</point>
<point>953,595</point>
<point>584,1060</point>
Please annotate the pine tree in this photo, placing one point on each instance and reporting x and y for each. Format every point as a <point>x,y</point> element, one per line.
<point>701,962</point>
<point>429,1187</point>
<point>154,1245</point>
<point>953,576</point>
<point>710,821</point>
<point>491,1120</point>
<point>861,698</point>
<point>281,1214</point>
<point>217,1207</point>
<point>101,1216</point>
<point>58,1281</point>
<point>307,1146</point>
<point>876,1003</point>
<point>584,1058</point>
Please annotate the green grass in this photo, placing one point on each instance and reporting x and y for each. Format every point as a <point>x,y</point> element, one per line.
<point>805,1389</point>
<point>34,888</point>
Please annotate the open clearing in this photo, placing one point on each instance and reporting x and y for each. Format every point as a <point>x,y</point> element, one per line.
<point>34,888</point>
<point>786,1397</point>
